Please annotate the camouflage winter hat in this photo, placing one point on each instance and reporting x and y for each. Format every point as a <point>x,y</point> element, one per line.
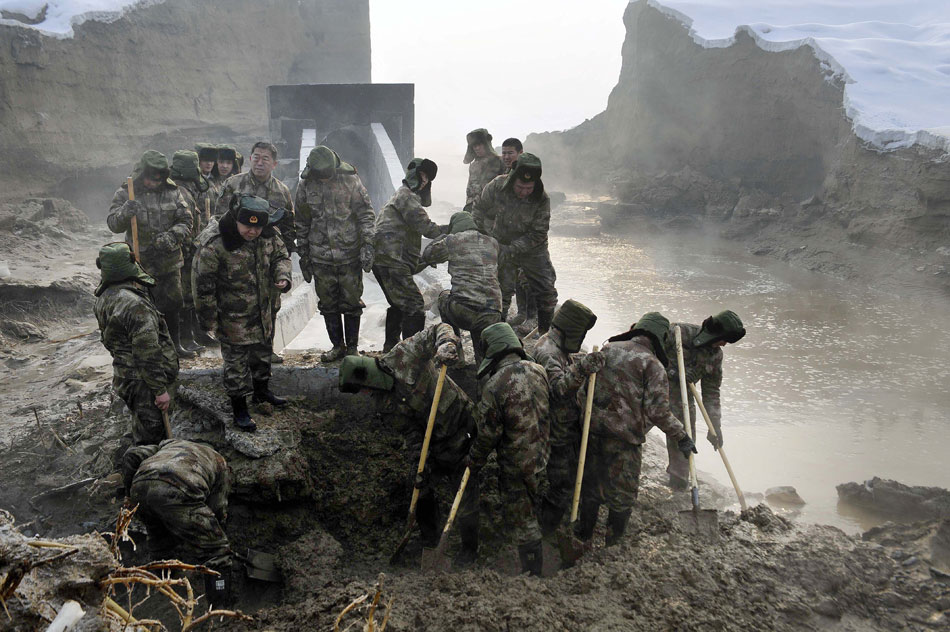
<point>656,327</point>
<point>206,152</point>
<point>323,162</point>
<point>155,165</point>
<point>574,320</point>
<point>498,340</point>
<point>461,222</point>
<point>413,181</point>
<point>185,166</point>
<point>132,460</point>
<point>723,326</point>
<point>527,169</point>
<point>475,137</point>
<point>117,263</point>
<point>358,372</point>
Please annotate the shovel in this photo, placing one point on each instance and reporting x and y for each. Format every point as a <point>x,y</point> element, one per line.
<point>262,566</point>
<point>702,522</point>
<point>434,560</point>
<point>570,546</point>
<point>134,222</point>
<point>422,465</point>
<point>725,461</point>
<point>168,425</point>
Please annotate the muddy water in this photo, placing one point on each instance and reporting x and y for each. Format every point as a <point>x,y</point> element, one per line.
<point>833,382</point>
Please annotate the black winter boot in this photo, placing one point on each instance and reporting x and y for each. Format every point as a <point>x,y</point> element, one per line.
<point>173,320</point>
<point>393,328</point>
<point>617,524</point>
<point>531,305</point>
<point>200,336</point>
<point>413,324</point>
<point>334,324</point>
<point>468,532</point>
<point>521,298</point>
<point>586,522</point>
<point>544,321</point>
<point>218,589</point>
<point>188,342</point>
<point>531,557</point>
<point>351,331</point>
<point>427,516</point>
<point>263,395</point>
<point>551,516</point>
<point>242,419</point>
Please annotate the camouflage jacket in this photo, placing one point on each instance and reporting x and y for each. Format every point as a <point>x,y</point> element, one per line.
<point>134,332</point>
<point>399,229</point>
<point>703,364</point>
<point>234,281</point>
<point>481,171</point>
<point>272,190</point>
<point>521,225</point>
<point>473,266</point>
<point>166,211</point>
<point>333,218</point>
<point>512,417</point>
<point>632,394</point>
<point>194,468</point>
<point>197,200</point>
<point>411,364</point>
<point>565,378</point>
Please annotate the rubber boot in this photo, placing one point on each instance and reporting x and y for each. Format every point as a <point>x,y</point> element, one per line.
<point>242,419</point>
<point>351,331</point>
<point>393,328</point>
<point>218,589</point>
<point>617,524</point>
<point>551,515</point>
<point>187,337</point>
<point>544,320</point>
<point>427,517</point>
<point>468,532</point>
<point>200,336</point>
<point>584,530</point>
<point>521,299</point>
<point>531,305</point>
<point>172,319</point>
<point>531,557</point>
<point>413,324</point>
<point>334,323</point>
<point>263,395</point>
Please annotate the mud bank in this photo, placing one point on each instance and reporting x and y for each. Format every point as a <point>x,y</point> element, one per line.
<point>755,145</point>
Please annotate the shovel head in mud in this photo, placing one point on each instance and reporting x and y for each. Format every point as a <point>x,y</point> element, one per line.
<point>435,560</point>
<point>570,546</point>
<point>701,522</point>
<point>262,566</point>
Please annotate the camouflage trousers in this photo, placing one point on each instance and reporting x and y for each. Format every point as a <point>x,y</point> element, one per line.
<point>539,274</point>
<point>180,525</point>
<point>562,472</point>
<point>464,316</point>
<point>400,289</point>
<point>525,298</point>
<point>167,293</point>
<point>678,464</point>
<point>339,288</point>
<point>147,424</point>
<point>187,291</point>
<point>245,364</point>
<point>445,463</point>
<point>520,497</point>
<point>611,473</point>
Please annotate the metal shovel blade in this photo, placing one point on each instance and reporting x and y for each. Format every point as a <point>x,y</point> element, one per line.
<point>570,546</point>
<point>701,522</point>
<point>262,566</point>
<point>435,560</point>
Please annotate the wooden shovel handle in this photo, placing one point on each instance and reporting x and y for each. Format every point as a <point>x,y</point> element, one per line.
<point>425,442</point>
<point>585,435</point>
<point>725,461</point>
<point>457,501</point>
<point>167,423</point>
<point>135,221</point>
<point>207,210</point>
<point>685,397</point>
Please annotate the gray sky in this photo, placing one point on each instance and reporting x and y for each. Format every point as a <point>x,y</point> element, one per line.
<point>514,67</point>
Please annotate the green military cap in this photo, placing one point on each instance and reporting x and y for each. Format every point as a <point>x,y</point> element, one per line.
<point>526,169</point>
<point>461,222</point>
<point>155,165</point>
<point>132,460</point>
<point>654,326</point>
<point>574,320</point>
<point>358,372</point>
<point>185,166</point>
<point>253,211</point>
<point>498,340</point>
<point>723,326</point>
<point>117,263</point>
<point>414,182</point>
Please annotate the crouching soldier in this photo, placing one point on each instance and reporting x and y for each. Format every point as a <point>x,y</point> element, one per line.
<point>403,383</point>
<point>240,261</point>
<point>512,419</point>
<point>631,395</point>
<point>474,301</point>
<point>702,356</point>
<point>181,488</point>
<point>144,362</point>
<point>566,374</point>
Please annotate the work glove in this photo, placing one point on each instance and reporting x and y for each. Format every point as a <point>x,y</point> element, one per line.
<point>716,440</point>
<point>686,445</point>
<point>473,465</point>
<point>593,362</point>
<point>447,354</point>
<point>367,254</point>
<point>420,480</point>
<point>131,208</point>
<point>166,242</point>
<point>306,271</point>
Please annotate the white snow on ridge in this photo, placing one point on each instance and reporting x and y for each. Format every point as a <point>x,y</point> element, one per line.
<point>894,55</point>
<point>63,15</point>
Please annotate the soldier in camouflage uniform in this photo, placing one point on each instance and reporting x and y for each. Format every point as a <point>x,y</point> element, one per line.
<point>511,150</point>
<point>240,266</point>
<point>335,229</point>
<point>181,489</point>
<point>400,226</point>
<point>557,351</point>
<point>207,163</point>
<point>702,357</point>
<point>403,383</point>
<point>164,226</point>
<point>474,301</point>
<point>631,395</point>
<point>515,210</point>
<point>144,362</point>
<point>200,197</point>
<point>512,419</point>
<point>483,164</point>
<point>225,166</point>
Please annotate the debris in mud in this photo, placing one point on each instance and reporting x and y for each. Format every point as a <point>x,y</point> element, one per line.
<point>783,496</point>
<point>895,500</point>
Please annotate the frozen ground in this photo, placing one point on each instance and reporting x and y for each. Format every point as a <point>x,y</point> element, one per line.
<point>894,55</point>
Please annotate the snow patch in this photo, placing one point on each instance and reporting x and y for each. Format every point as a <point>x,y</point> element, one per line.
<point>63,15</point>
<point>892,55</point>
